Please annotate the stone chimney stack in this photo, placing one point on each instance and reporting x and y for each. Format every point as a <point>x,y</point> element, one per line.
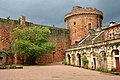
<point>22,20</point>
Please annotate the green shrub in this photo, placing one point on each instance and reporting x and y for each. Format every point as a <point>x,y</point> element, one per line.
<point>85,60</point>
<point>103,70</point>
<point>15,65</point>
<point>64,62</point>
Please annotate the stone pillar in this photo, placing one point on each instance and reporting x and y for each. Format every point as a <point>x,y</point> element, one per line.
<point>22,20</point>
<point>77,61</point>
<point>15,59</point>
<point>90,62</point>
<point>71,61</point>
<point>67,60</point>
<point>109,62</point>
<point>66,57</point>
<point>81,61</point>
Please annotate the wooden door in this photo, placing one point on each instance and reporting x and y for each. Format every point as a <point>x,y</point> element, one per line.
<point>117,63</point>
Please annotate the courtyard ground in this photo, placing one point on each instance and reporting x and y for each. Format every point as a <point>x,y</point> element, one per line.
<point>54,72</point>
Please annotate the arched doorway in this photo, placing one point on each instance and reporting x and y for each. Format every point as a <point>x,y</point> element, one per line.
<point>94,63</point>
<point>93,60</point>
<point>68,58</point>
<point>115,54</point>
<point>79,59</point>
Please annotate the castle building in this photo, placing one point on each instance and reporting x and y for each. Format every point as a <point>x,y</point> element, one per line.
<point>84,42</point>
<point>80,20</point>
<point>98,45</point>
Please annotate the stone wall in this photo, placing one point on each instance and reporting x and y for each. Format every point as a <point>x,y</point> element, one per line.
<point>99,55</point>
<point>59,35</point>
<point>111,32</point>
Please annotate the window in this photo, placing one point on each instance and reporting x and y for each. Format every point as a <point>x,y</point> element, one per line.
<point>74,23</point>
<point>89,25</point>
<point>116,52</point>
<point>1,59</point>
<point>113,34</point>
<point>110,35</point>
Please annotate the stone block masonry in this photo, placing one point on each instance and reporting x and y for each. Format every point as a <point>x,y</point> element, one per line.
<point>59,35</point>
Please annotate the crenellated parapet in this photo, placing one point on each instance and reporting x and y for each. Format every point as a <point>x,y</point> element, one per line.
<point>77,10</point>
<point>80,20</point>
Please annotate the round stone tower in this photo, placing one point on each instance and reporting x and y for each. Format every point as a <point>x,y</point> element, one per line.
<point>80,20</point>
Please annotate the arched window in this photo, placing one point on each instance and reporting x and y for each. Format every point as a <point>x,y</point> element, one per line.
<point>74,23</point>
<point>89,25</point>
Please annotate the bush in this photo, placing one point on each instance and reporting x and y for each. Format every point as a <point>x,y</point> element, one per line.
<point>64,62</point>
<point>103,70</point>
<point>85,61</point>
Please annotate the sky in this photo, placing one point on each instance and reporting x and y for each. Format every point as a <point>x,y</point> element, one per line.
<point>51,12</point>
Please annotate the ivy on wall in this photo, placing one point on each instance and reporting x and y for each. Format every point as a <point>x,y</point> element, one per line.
<point>115,44</point>
<point>85,62</point>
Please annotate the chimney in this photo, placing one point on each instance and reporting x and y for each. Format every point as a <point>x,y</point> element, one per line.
<point>75,8</point>
<point>111,23</point>
<point>22,20</point>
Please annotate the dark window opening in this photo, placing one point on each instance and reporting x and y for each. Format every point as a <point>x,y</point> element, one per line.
<point>1,59</point>
<point>116,52</point>
<point>89,25</point>
<point>74,23</point>
<point>113,34</point>
<point>110,35</point>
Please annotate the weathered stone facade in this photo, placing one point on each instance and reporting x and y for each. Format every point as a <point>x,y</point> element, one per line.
<point>58,35</point>
<point>100,45</point>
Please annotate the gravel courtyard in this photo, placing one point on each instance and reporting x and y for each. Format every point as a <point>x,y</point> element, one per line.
<point>54,72</point>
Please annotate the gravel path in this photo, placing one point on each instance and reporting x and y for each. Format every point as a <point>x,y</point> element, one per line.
<point>54,72</point>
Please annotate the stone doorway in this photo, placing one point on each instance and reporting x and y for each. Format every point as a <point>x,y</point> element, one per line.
<point>116,59</point>
<point>94,63</point>
<point>68,59</point>
<point>79,59</point>
<point>1,60</point>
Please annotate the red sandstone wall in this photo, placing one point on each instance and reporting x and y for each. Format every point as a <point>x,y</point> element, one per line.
<point>78,19</point>
<point>78,26</point>
<point>59,35</point>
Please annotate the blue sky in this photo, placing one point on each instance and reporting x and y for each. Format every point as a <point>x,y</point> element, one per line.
<point>51,12</point>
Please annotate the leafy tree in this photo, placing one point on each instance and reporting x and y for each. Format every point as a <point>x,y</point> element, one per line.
<point>32,42</point>
<point>8,17</point>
